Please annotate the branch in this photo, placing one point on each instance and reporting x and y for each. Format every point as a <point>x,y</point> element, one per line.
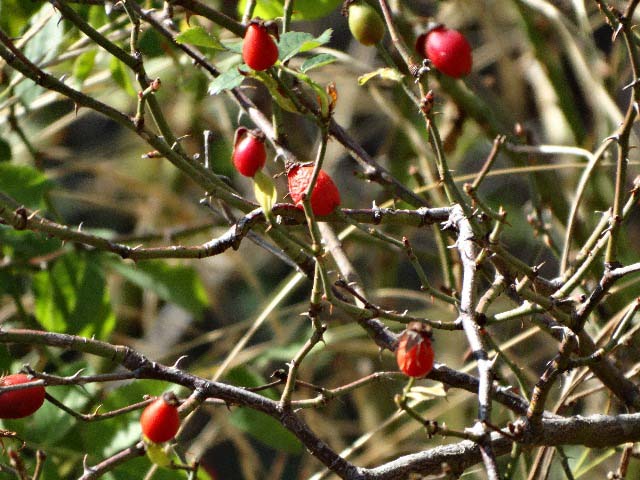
<point>468,252</point>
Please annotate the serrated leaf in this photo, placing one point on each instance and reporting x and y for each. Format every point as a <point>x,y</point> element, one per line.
<point>24,184</point>
<point>384,73</point>
<point>232,78</point>
<point>265,191</point>
<point>177,284</point>
<point>303,9</point>
<point>199,37</point>
<point>317,61</point>
<point>83,65</point>
<point>292,43</point>
<point>274,89</point>
<point>120,75</point>
<point>72,297</point>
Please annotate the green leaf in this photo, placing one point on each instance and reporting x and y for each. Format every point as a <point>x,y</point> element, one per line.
<point>14,14</point>
<point>245,377</point>
<point>274,89</point>
<point>232,78</point>
<point>199,37</point>
<point>97,16</point>
<point>265,429</point>
<point>49,425</point>
<point>384,73</point>
<point>303,9</point>
<point>103,439</point>
<point>120,75</point>
<point>317,61</point>
<point>24,184</point>
<point>5,150</point>
<point>12,284</point>
<point>83,65</point>
<point>292,43</point>
<point>158,454</point>
<point>265,191</point>
<point>421,394</point>
<point>177,284</point>
<point>72,297</point>
<point>257,424</point>
<point>234,46</point>
<point>43,46</point>
<point>24,244</point>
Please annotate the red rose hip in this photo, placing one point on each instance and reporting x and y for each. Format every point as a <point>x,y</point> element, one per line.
<point>20,403</point>
<point>415,353</point>
<point>448,50</point>
<point>259,49</point>
<point>160,420</point>
<point>249,153</point>
<point>325,196</point>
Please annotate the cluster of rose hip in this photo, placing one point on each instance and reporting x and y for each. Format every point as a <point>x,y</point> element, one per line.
<point>446,49</point>
<point>159,420</point>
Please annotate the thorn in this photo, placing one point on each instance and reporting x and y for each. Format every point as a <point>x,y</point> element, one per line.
<point>180,359</point>
<point>95,412</point>
<point>616,32</point>
<point>631,84</point>
<point>492,362</point>
<point>85,467</point>
<point>77,374</point>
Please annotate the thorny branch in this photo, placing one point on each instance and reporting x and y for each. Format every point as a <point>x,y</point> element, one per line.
<point>593,431</point>
<point>563,319</point>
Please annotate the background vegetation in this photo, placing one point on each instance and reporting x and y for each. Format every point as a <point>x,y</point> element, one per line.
<point>106,218</point>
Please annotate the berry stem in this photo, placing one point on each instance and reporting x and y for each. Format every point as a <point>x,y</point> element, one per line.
<point>397,40</point>
<point>316,237</point>
<point>248,11</point>
<point>287,13</point>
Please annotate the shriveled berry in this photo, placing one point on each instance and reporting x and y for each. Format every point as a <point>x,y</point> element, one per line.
<point>448,50</point>
<point>259,49</point>
<point>160,420</point>
<point>325,196</point>
<point>20,403</point>
<point>365,23</point>
<point>415,353</point>
<point>249,153</point>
